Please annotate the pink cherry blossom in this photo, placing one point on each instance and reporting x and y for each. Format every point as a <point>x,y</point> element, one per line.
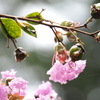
<point>4,90</point>
<point>52,95</point>
<point>45,91</point>
<point>18,85</point>
<point>6,74</point>
<point>69,71</point>
<point>44,88</point>
<point>61,56</point>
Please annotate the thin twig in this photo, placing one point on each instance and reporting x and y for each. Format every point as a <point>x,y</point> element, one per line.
<point>13,40</point>
<point>7,45</point>
<point>77,38</point>
<point>57,37</point>
<point>86,23</point>
<point>48,24</point>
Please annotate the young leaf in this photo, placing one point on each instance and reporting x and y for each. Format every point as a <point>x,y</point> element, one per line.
<point>10,28</point>
<point>29,29</point>
<point>35,16</point>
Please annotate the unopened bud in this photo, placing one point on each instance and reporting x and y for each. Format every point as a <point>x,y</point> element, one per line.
<point>67,23</point>
<point>76,52</point>
<point>58,48</point>
<point>20,54</point>
<point>70,36</point>
<point>59,37</point>
<point>95,11</point>
<point>98,37</point>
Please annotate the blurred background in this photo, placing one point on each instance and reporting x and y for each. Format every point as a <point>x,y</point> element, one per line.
<point>34,68</point>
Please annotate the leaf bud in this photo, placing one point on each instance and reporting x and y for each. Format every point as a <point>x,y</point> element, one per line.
<point>76,52</point>
<point>95,11</point>
<point>20,54</point>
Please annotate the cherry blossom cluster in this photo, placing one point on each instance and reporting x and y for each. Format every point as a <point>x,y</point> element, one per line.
<point>66,65</point>
<point>15,88</point>
<point>69,71</point>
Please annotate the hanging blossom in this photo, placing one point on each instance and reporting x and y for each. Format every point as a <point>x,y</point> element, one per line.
<point>45,91</point>
<point>4,90</point>
<point>67,64</point>
<point>18,85</point>
<point>66,72</point>
<point>6,74</point>
<point>61,54</point>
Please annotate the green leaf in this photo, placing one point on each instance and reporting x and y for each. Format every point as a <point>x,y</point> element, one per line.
<point>36,16</point>
<point>10,28</point>
<point>29,29</point>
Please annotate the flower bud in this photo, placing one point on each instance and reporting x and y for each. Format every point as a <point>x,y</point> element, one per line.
<point>70,36</point>
<point>59,37</point>
<point>98,37</point>
<point>58,48</point>
<point>20,54</point>
<point>76,52</point>
<point>95,11</point>
<point>67,23</point>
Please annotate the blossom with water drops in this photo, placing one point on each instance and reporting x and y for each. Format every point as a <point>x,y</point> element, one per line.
<point>66,72</point>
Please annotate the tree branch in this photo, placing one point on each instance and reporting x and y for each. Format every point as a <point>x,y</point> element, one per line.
<point>50,25</point>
